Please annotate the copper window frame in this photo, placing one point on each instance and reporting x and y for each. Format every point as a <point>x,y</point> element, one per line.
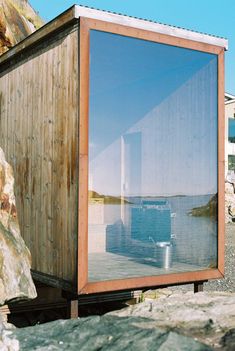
<point>84,286</point>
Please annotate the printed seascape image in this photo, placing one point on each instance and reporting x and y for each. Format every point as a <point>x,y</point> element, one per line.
<point>152,159</point>
<point>147,231</point>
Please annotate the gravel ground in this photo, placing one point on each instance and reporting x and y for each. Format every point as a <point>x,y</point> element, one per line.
<point>228,283</point>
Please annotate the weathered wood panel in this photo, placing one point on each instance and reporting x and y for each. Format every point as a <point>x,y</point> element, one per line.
<point>39,133</point>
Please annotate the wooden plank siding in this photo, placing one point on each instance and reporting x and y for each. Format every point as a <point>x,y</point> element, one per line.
<point>39,134</point>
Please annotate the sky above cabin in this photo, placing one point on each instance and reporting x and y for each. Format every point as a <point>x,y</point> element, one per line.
<point>207,16</point>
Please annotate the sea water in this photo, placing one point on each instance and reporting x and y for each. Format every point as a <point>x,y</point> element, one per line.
<point>194,239</point>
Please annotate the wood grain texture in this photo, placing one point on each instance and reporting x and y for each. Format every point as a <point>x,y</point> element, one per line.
<point>39,133</point>
<point>83,157</point>
<point>59,22</point>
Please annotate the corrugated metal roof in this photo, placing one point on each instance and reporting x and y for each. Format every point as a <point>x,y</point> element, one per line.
<point>150,25</point>
<point>152,21</point>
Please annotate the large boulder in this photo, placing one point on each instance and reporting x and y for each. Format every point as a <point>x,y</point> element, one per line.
<point>107,333</point>
<point>15,259</point>
<point>6,342</point>
<point>165,321</point>
<point>206,316</point>
<point>17,21</point>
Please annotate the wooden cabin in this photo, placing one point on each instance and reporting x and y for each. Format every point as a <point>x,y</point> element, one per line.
<point>115,129</point>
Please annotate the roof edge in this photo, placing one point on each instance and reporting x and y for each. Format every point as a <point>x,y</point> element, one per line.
<point>77,11</point>
<point>229,102</point>
<point>229,96</point>
<point>81,11</point>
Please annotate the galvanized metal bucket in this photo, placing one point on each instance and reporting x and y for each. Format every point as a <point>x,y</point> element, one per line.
<point>164,253</point>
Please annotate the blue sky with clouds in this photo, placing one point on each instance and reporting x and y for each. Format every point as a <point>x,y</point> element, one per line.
<point>208,16</point>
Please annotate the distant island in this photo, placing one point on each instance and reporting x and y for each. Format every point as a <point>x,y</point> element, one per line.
<point>208,210</point>
<point>161,196</point>
<point>95,197</point>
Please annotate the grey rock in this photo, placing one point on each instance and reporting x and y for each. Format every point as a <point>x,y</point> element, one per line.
<point>206,316</point>
<point>228,340</point>
<point>106,333</point>
<point>7,343</point>
<point>15,260</point>
<point>229,189</point>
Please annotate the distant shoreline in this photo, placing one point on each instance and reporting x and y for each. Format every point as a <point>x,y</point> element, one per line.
<point>166,196</point>
<point>95,197</point>
<point>208,210</point>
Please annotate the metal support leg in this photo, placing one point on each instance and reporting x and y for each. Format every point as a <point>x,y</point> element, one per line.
<point>198,287</point>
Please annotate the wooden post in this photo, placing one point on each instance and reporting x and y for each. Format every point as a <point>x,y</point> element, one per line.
<point>198,287</point>
<point>72,304</point>
<point>72,309</point>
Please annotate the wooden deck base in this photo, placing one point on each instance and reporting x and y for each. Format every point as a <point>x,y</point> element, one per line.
<point>50,298</point>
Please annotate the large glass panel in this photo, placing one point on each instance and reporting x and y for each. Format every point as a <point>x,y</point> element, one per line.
<point>152,158</point>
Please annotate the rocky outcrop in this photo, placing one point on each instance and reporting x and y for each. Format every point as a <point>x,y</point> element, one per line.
<point>211,208</point>
<point>17,21</point>
<point>229,201</point>
<point>207,316</point>
<point>15,277</point>
<point>164,321</point>
<point>107,333</point>
<point>7,343</point>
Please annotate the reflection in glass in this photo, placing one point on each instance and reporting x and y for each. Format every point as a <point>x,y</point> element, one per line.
<point>152,158</point>
<point>231,130</point>
<point>231,163</point>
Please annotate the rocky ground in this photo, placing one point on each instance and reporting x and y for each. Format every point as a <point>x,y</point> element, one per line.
<point>102,333</point>
<point>172,321</point>
<point>228,283</point>
<point>208,317</point>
